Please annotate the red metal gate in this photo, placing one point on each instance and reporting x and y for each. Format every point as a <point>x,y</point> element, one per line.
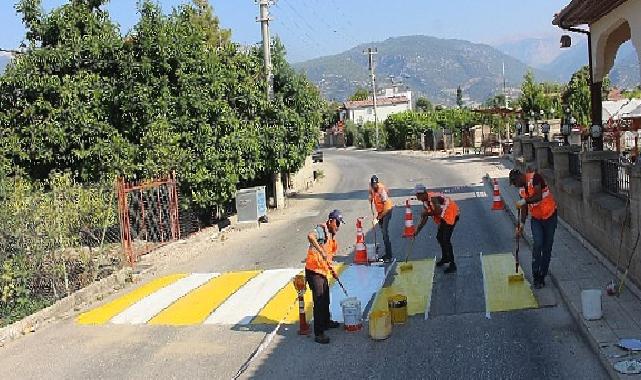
<point>148,212</point>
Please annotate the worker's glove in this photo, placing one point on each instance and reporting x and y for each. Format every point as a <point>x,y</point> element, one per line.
<point>375,221</point>
<point>520,203</point>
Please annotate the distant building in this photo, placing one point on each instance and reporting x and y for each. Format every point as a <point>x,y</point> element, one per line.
<point>362,111</point>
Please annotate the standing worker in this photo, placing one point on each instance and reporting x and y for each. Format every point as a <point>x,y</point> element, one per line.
<point>318,266</point>
<point>379,198</point>
<point>445,213</point>
<point>537,200</point>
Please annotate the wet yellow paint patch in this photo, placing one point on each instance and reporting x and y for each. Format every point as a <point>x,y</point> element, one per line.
<point>501,294</point>
<point>197,305</point>
<point>280,307</point>
<point>415,284</point>
<point>103,314</point>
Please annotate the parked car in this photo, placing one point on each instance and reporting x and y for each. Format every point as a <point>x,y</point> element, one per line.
<point>317,156</point>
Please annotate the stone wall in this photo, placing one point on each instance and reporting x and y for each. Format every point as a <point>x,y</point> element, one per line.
<point>610,223</point>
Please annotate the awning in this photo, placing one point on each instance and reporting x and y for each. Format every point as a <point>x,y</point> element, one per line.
<point>582,12</point>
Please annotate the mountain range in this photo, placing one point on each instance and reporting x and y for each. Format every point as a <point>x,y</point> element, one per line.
<point>435,67</point>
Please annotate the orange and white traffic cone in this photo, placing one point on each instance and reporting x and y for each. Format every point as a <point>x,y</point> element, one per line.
<point>299,284</point>
<point>408,232</point>
<point>497,201</point>
<point>360,257</point>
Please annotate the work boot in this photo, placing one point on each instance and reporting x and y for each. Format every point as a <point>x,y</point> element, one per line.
<point>441,262</point>
<point>322,339</point>
<point>333,324</point>
<point>451,268</point>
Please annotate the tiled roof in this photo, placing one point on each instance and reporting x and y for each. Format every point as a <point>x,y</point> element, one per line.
<point>379,102</point>
<point>580,12</point>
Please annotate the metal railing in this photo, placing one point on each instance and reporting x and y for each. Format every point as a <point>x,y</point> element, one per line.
<point>615,178</point>
<point>575,165</point>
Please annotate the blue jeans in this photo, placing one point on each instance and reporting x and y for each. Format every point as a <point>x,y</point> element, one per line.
<point>385,229</point>
<point>543,235</point>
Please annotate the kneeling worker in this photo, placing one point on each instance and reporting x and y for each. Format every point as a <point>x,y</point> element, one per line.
<point>318,266</point>
<point>537,200</point>
<point>445,213</point>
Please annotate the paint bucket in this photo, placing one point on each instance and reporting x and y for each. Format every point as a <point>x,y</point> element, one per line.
<point>352,314</point>
<point>397,305</point>
<point>371,252</point>
<point>591,304</point>
<point>380,325</point>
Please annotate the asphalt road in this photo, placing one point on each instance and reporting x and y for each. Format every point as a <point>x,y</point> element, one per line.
<point>456,342</point>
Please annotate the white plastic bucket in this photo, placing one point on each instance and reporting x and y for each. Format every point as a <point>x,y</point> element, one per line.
<point>591,304</point>
<point>352,314</point>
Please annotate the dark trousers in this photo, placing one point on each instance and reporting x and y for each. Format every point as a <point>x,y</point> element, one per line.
<point>320,295</point>
<point>385,229</point>
<point>543,236</point>
<point>444,238</point>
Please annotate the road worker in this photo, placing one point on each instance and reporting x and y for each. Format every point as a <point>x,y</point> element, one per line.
<point>318,267</point>
<point>380,200</point>
<point>536,200</point>
<point>445,213</point>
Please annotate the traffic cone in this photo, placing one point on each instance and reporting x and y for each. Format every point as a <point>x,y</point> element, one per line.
<point>497,202</point>
<point>360,257</point>
<point>408,232</point>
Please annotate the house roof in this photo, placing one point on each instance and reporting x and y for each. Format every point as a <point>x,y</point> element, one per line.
<point>581,12</point>
<point>621,108</point>
<point>350,105</point>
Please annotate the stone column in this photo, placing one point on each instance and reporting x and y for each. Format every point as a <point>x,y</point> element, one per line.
<point>562,161</point>
<point>591,173</point>
<point>635,198</point>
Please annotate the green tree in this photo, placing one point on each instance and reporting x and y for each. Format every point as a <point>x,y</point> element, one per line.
<point>532,98</point>
<point>577,96</point>
<point>424,105</point>
<point>459,97</point>
<point>360,94</point>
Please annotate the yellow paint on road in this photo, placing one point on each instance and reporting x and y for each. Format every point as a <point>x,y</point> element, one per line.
<point>196,306</point>
<point>104,313</point>
<point>415,284</point>
<point>501,294</point>
<point>280,307</point>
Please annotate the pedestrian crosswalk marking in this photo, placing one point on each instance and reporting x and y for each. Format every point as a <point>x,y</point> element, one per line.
<point>259,290</point>
<point>361,281</point>
<point>145,309</point>
<point>500,294</point>
<point>196,306</point>
<point>415,284</point>
<point>284,306</point>
<point>104,313</point>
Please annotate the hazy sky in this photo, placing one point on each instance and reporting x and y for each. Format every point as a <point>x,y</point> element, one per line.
<point>312,28</point>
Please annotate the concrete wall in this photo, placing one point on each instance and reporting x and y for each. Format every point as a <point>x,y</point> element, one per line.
<point>304,178</point>
<point>367,114</point>
<point>609,223</point>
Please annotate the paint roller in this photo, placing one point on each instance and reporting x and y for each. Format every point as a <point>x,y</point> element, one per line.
<point>517,277</point>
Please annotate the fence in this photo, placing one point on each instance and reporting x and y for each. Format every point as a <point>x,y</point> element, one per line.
<point>575,165</point>
<point>148,212</point>
<point>615,178</point>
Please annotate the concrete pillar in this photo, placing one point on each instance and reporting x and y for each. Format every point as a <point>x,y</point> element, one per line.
<point>591,173</point>
<point>635,198</point>
<point>517,152</point>
<point>541,154</point>
<point>562,161</point>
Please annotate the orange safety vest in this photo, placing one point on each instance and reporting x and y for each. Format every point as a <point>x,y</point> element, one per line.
<point>315,261</point>
<point>380,205</point>
<point>545,207</point>
<point>449,210</point>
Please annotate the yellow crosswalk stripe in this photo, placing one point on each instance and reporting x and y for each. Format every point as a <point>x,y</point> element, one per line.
<point>501,294</point>
<point>196,306</point>
<point>104,313</point>
<point>415,284</point>
<point>278,308</point>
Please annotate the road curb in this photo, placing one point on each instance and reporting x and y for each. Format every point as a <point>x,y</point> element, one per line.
<point>576,314</point>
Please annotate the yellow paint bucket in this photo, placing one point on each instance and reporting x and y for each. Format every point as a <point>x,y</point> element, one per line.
<point>380,325</point>
<point>397,305</point>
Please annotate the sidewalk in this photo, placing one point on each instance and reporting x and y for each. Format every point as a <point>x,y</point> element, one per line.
<point>574,267</point>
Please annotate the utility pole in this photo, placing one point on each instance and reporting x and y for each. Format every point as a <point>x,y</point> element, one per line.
<point>371,52</point>
<point>279,193</point>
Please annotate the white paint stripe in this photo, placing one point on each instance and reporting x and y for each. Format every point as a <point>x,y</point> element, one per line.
<point>362,282</point>
<point>145,309</point>
<point>429,296</point>
<point>487,305</point>
<point>248,301</point>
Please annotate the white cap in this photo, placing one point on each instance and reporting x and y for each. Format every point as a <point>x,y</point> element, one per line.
<point>419,188</point>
